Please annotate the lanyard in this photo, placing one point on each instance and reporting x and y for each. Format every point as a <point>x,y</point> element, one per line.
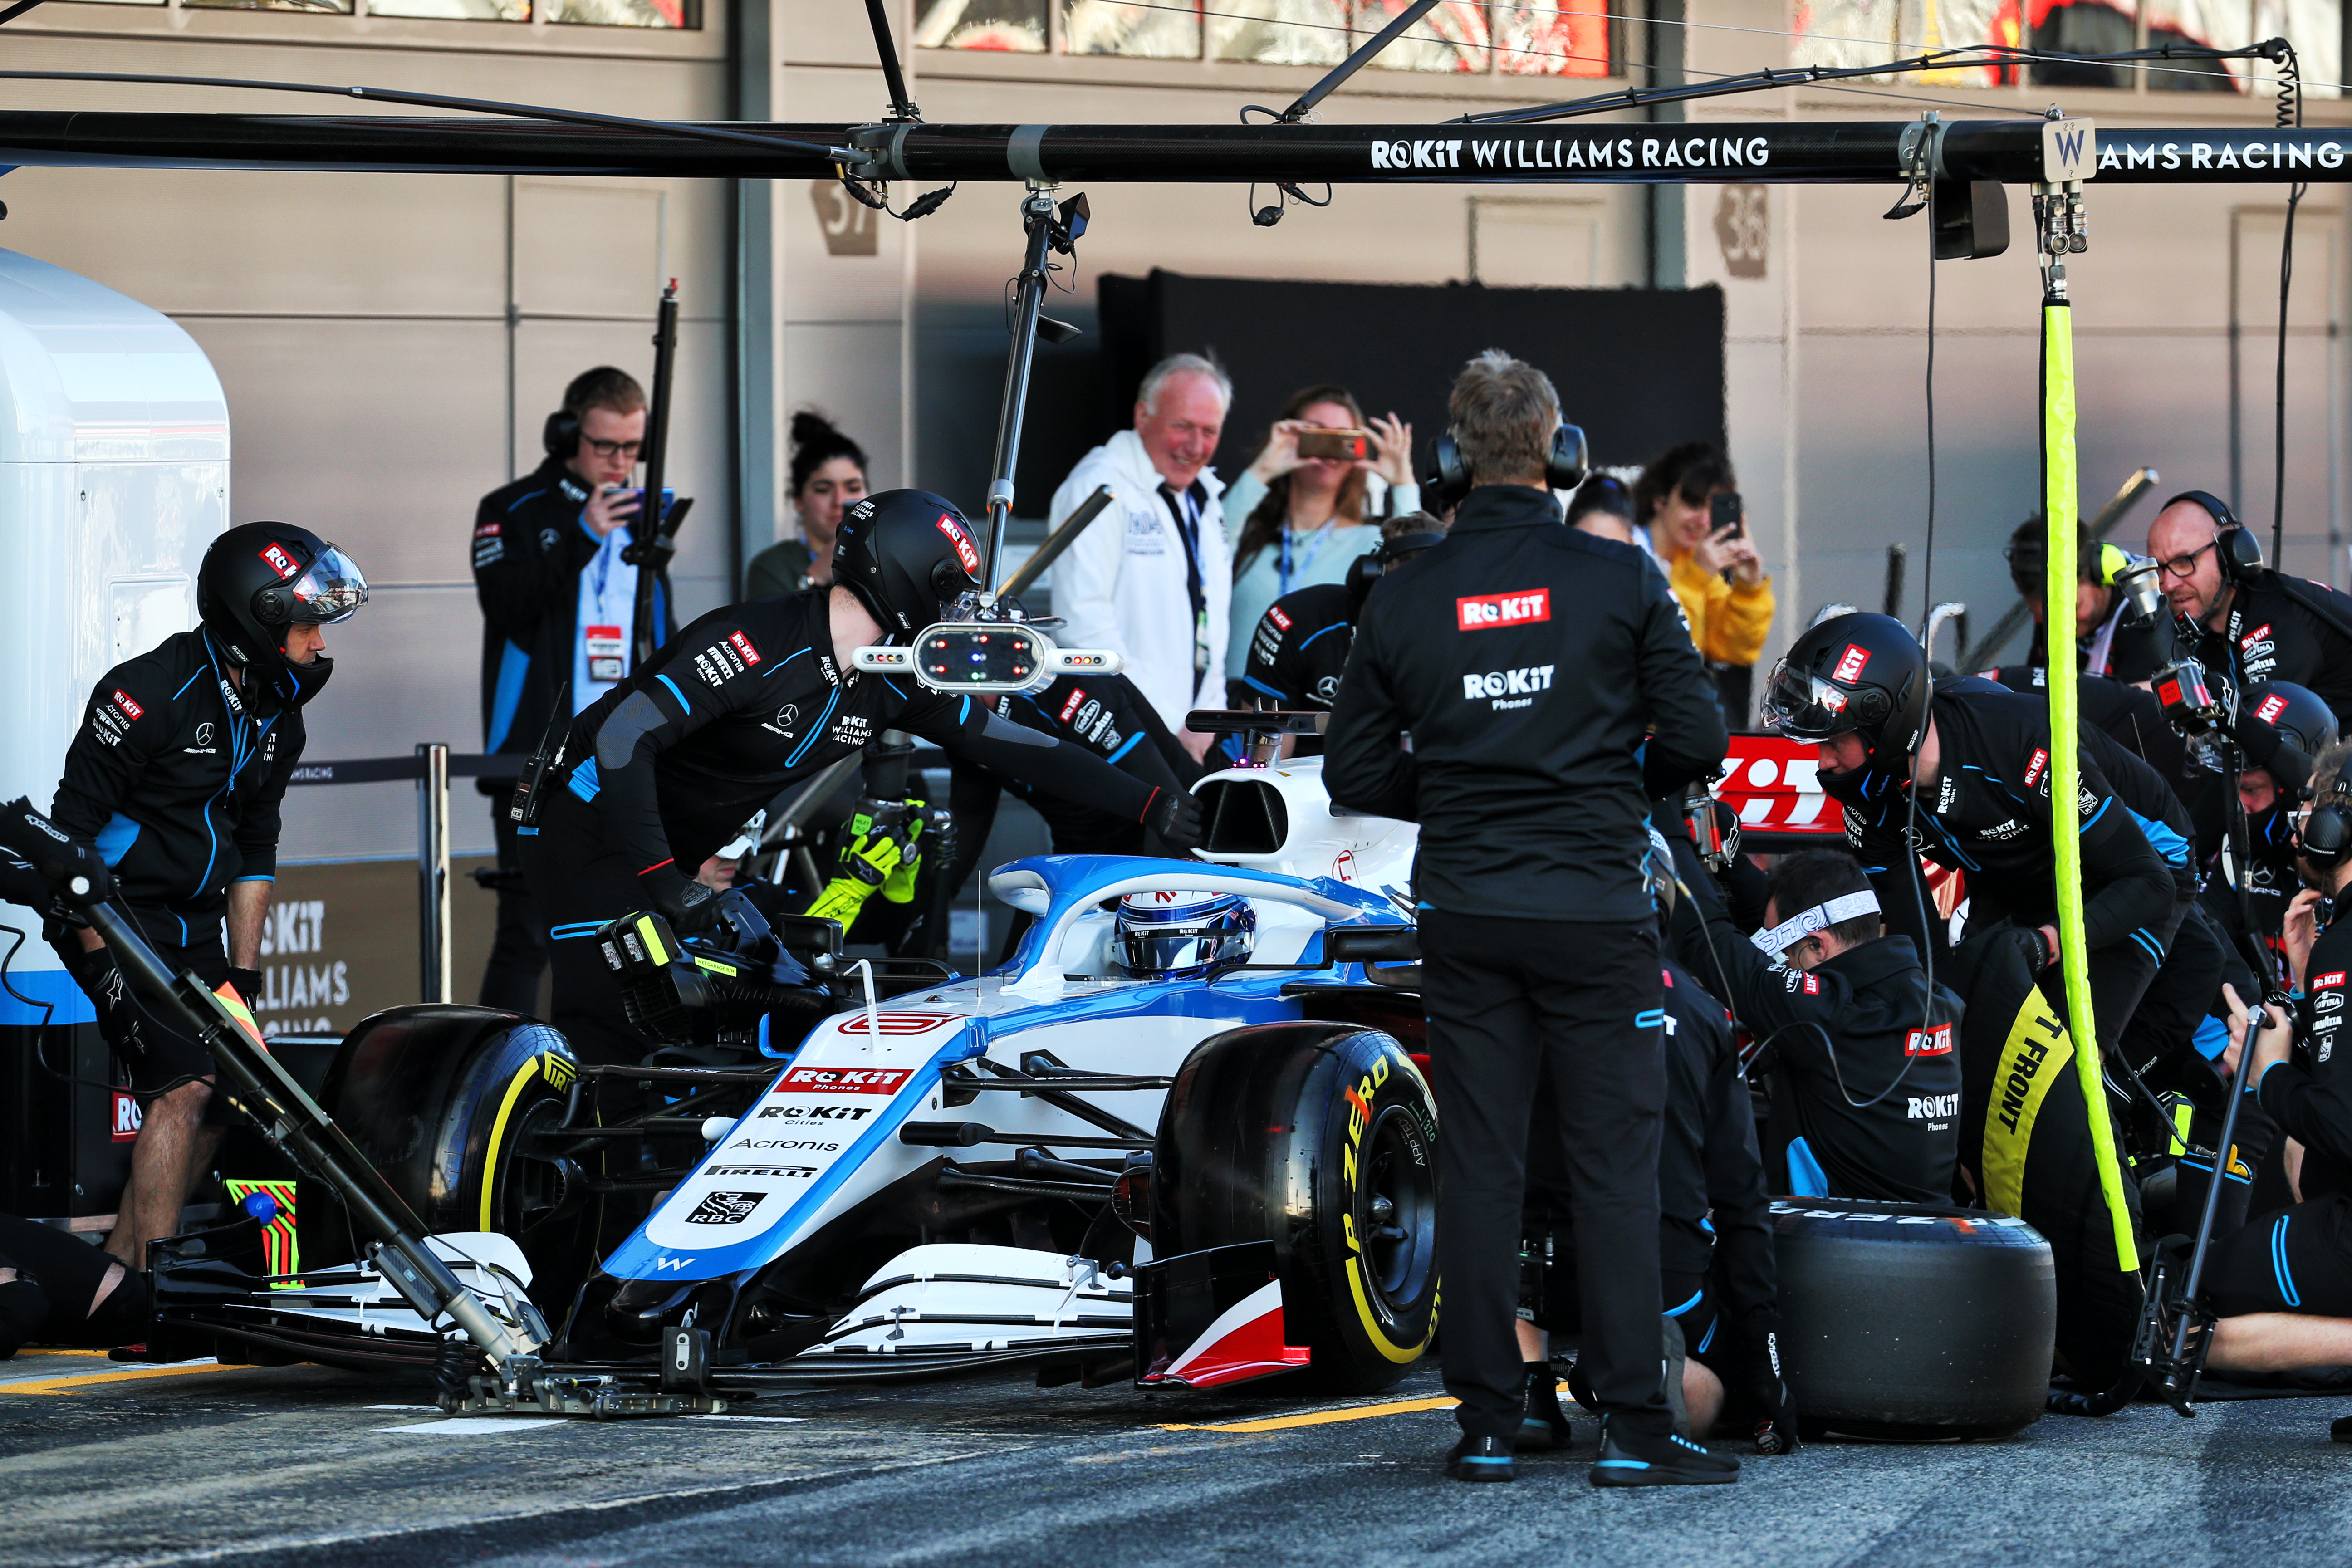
<point>1284,571</point>
<point>1184,508</point>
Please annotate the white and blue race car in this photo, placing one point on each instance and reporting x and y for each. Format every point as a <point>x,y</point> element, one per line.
<point>879,1170</point>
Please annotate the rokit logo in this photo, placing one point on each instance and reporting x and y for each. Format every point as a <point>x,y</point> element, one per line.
<point>1935,1041</point>
<point>126,1117</point>
<point>725,1208</point>
<point>1277,617</point>
<point>742,646</point>
<point>2036,766</point>
<point>1850,664</point>
<point>273,556</point>
<point>1934,1107</point>
<point>2261,633</point>
<point>122,701</point>
<point>2272,707</point>
<point>2332,977</point>
<point>1484,612</point>
<point>1070,707</point>
<point>1508,688</point>
<point>962,543</point>
<point>849,1080</point>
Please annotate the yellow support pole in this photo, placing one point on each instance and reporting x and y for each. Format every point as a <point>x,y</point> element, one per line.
<point>2065,764</point>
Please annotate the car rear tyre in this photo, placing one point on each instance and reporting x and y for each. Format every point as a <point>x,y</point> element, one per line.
<point>1913,1320</point>
<point>1322,1138</point>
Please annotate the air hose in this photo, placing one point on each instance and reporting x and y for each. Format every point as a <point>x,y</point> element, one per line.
<point>2058,478</point>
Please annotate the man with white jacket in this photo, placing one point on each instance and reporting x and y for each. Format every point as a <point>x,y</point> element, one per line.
<point>1150,578</point>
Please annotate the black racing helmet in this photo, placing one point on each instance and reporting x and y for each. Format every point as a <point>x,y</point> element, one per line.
<point>907,555</point>
<point>1853,674</point>
<point>2296,713</point>
<point>261,579</point>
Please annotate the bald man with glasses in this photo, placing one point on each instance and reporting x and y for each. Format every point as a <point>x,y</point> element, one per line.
<point>2254,623</point>
<point>557,605</point>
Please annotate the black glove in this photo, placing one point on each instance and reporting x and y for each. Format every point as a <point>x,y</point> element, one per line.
<point>687,904</point>
<point>2039,954</point>
<point>249,986</point>
<point>1758,1345</point>
<point>1175,817</point>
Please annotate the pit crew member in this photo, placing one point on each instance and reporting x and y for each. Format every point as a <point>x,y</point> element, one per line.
<point>1528,662</point>
<point>752,698</point>
<point>1973,765</point>
<point>2284,728</point>
<point>2115,635</point>
<point>1721,1294</point>
<point>176,775</point>
<point>558,603</point>
<point>2253,623</point>
<point>1300,645</point>
<point>1866,1094</point>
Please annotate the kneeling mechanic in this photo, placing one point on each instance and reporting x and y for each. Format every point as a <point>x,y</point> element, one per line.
<point>752,698</point>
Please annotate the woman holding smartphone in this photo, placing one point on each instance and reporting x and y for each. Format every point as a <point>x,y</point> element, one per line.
<point>1688,497</point>
<point>1307,507</point>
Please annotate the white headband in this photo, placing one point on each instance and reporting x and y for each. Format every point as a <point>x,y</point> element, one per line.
<point>1837,911</point>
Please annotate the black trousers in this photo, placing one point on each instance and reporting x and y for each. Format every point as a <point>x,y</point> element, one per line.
<point>2296,1259</point>
<point>159,1055</point>
<point>578,885</point>
<point>1509,998</point>
<point>519,949</point>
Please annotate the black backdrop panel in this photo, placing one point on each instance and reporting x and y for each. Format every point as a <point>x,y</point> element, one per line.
<point>1640,368</point>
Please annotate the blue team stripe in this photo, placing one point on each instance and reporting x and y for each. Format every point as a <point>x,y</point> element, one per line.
<point>183,689</point>
<point>816,729</point>
<point>513,666</point>
<point>1709,1338</point>
<point>1327,631</point>
<point>1655,1018</point>
<point>577,928</point>
<point>1127,746</point>
<point>2096,814</point>
<point>1806,1179</point>
<point>1621,1464</point>
<point>2147,943</point>
<point>533,496</point>
<point>2278,1264</point>
<point>674,691</point>
<point>1696,1296</point>
<point>2168,844</point>
<point>1262,686</point>
<point>584,781</point>
<point>781,662</point>
<point>963,709</point>
<point>894,685</point>
<point>115,839</point>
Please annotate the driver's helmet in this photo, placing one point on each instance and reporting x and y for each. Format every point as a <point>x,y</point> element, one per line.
<point>1182,935</point>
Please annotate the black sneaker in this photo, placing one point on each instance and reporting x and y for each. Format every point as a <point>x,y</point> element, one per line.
<point>1480,1459</point>
<point>2340,1429</point>
<point>1542,1423</point>
<point>1580,1388</point>
<point>1631,1457</point>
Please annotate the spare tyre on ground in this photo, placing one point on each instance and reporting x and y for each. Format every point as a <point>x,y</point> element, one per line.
<point>1913,1320</point>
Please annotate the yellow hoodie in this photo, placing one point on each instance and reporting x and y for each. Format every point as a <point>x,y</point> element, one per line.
<point>1728,620</point>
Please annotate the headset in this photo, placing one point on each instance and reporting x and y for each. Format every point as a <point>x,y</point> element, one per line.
<point>1564,467</point>
<point>1372,564</point>
<point>561,435</point>
<point>2236,551</point>
<point>2326,837</point>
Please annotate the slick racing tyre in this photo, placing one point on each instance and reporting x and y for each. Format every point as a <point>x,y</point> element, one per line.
<point>436,1096</point>
<point>1322,1138</point>
<point>1913,1320</point>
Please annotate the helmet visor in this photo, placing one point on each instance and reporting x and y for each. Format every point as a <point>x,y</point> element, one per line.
<point>330,590</point>
<point>1804,707</point>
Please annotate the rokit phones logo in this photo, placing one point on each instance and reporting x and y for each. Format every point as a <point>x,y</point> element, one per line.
<point>725,1208</point>
<point>848,1080</point>
<point>1507,688</point>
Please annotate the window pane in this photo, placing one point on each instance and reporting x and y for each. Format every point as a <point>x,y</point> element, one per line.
<point>2315,28</point>
<point>332,7</point>
<point>455,10</point>
<point>1845,32</point>
<point>1452,37</point>
<point>1164,30</point>
<point>1546,41</point>
<point>1017,26</point>
<point>1278,32</point>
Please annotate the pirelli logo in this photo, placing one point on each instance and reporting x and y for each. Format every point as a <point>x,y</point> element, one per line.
<point>1484,612</point>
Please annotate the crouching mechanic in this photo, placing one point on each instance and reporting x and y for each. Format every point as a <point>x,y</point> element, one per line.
<point>176,775</point>
<point>1969,772</point>
<point>1721,1292</point>
<point>2281,1284</point>
<point>746,701</point>
<point>1866,1090</point>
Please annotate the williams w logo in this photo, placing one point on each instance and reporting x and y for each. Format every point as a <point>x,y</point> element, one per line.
<point>2070,150</point>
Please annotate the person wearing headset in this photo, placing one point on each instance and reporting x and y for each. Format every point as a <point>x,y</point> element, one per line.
<point>558,603</point>
<point>2118,633</point>
<point>1867,1080</point>
<point>2281,1284</point>
<point>2253,622</point>
<point>1528,662</point>
<point>743,703</point>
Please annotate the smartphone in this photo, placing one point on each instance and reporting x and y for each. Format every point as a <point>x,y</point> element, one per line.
<point>1727,514</point>
<point>1347,446</point>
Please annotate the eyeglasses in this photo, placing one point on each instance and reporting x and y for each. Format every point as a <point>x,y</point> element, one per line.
<point>612,448</point>
<point>2182,565</point>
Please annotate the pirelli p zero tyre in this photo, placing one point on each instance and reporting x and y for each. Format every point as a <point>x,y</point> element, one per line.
<point>1913,1320</point>
<point>437,1098</point>
<point>1322,1138</point>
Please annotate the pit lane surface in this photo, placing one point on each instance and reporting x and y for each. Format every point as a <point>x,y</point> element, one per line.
<point>107,1465</point>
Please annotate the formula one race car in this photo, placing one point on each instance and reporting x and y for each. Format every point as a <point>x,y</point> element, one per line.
<point>1224,1171</point>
